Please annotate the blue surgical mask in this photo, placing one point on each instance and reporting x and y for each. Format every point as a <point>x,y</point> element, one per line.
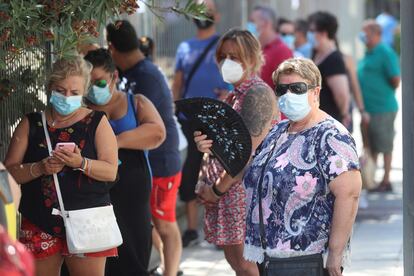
<point>289,40</point>
<point>99,95</point>
<point>294,106</point>
<point>65,105</point>
<point>312,39</point>
<point>363,37</point>
<point>251,27</point>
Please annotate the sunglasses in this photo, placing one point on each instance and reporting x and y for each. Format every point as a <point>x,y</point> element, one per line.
<point>100,83</point>
<point>295,87</point>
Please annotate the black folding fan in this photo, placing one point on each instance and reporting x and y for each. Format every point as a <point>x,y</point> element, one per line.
<point>232,144</point>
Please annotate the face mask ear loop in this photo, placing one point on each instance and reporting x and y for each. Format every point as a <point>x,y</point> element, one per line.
<point>316,95</point>
<point>110,82</point>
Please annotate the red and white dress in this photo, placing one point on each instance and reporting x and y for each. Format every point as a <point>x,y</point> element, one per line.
<point>225,221</point>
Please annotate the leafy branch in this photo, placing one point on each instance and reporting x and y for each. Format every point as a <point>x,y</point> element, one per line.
<point>190,10</point>
<point>29,24</point>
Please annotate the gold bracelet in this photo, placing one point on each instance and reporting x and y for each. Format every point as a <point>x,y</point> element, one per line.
<point>82,167</point>
<point>89,165</point>
<point>85,167</point>
<point>31,170</point>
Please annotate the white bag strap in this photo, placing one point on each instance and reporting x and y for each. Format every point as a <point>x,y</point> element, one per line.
<point>55,177</point>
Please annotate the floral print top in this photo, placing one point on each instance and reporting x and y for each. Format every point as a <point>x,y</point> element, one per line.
<point>296,199</point>
<point>211,169</point>
<point>78,190</point>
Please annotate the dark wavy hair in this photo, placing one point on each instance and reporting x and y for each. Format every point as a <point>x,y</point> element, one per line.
<point>324,22</point>
<point>122,36</point>
<point>101,58</point>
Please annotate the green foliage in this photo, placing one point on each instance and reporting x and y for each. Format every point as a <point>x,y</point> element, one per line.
<point>28,27</point>
<point>27,24</point>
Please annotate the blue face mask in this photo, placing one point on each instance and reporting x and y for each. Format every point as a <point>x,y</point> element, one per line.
<point>289,40</point>
<point>251,27</point>
<point>99,95</point>
<point>294,106</point>
<point>311,39</point>
<point>65,105</point>
<point>363,37</point>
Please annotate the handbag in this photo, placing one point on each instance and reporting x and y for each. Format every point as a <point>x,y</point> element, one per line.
<point>87,230</point>
<point>309,265</point>
<point>368,168</point>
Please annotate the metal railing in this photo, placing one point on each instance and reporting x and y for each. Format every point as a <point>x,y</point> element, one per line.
<point>24,77</point>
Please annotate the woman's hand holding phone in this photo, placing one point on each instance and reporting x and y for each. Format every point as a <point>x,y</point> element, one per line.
<point>70,158</point>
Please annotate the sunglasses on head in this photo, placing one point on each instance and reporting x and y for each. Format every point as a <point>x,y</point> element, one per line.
<point>295,87</point>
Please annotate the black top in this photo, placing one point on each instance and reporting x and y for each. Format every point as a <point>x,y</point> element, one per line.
<point>145,78</point>
<point>332,65</point>
<point>78,190</point>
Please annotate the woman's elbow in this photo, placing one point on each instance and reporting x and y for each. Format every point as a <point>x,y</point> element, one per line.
<point>113,174</point>
<point>159,136</point>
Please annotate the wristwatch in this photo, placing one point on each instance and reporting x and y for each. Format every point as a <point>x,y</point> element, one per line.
<point>82,167</point>
<point>217,192</point>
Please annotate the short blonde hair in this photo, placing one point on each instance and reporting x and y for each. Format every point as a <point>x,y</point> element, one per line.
<point>67,67</point>
<point>303,67</point>
<point>372,26</point>
<point>248,48</point>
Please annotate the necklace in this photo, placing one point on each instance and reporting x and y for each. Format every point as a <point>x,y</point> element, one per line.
<point>54,121</point>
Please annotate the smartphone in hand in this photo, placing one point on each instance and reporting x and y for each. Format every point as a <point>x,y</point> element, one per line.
<point>69,146</point>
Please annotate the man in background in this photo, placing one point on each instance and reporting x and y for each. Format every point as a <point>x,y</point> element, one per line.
<point>379,77</point>
<point>388,25</point>
<point>263,26</point>
<point>196,75</point>
<point>286,30</point>
<point>302,44</point>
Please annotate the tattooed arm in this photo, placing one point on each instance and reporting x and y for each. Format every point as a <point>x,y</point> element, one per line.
<point>258,111</point>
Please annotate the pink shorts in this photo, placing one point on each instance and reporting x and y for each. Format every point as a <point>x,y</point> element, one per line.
<point>43,245</point>
<point>164,197</point>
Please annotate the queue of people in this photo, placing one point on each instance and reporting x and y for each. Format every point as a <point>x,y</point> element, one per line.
<point>115,142</point>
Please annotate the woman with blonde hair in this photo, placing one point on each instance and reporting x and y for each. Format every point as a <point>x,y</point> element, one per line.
<point>304,181</point>
<point>86,171</point>
<point>240,58</point>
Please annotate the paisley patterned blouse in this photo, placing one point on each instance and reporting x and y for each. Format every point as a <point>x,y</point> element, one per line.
<point>297,202</point>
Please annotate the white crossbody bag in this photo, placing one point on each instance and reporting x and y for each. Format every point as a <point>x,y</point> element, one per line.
<point>87,230</point>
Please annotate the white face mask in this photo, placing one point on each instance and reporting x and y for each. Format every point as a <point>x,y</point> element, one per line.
<point>231,71</point>
<point>294,106</point>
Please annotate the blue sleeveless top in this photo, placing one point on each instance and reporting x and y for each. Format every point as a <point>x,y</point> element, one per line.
<point>129,121</point>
